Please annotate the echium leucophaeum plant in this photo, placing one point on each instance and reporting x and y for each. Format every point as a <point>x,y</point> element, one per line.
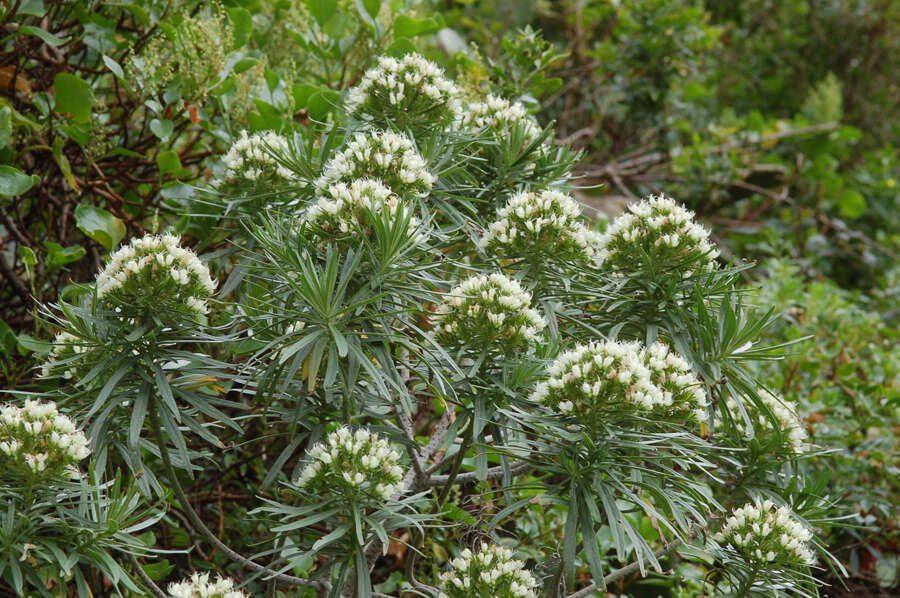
<point>253,158</point>
<point>489,313</point>
<point>595,379</point>
<point>390,157</point>
<point>36,440</point>
<point>198,585</point>
<point>490,572</point>
<point>409,92</point>
<point>497,115</point>
<point>358,466</point>
<point>660,233</point>
<point>787,422</point>
<point>345,211</point>
<point>761,533</point>
<point>547,222</point>
<point>154,274</point>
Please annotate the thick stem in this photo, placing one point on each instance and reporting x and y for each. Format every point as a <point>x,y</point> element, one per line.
<point>201,527</point>
<point>157,591</point>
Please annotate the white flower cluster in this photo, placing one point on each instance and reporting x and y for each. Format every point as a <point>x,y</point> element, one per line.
<point>548,221</point>
<point>488,312</point>
<point>199,586</point>
<point>251,157</point>
<point>498,114</point>
<point>152,273</point>
<point>765,534</point>
<point>681,387</point>
<point>65,346</point>
<point>384,155</point>
<point>663,230</point>
<point>346,209</point>
<point>359,464</point>
<point>37,439</point>
<point>592,378</point>
<point>410,91</point>
<point>489,573</point>
<point>788,422</point>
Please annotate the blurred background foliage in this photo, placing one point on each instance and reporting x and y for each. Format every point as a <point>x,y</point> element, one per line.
<point>775,120</point>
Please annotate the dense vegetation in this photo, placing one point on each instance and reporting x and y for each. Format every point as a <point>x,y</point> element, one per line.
<point>300,295</point>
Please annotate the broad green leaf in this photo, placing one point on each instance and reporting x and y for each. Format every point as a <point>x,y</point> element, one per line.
<point>63,162</point>
<point>5,126</point>
<point>114,67</point>
<point>46,36</point>
<point>60,256</point>
<point>400,48</point>
<point>99,225</point>
<point>73,95</point>
<point>162,128</point>
<point>7,339</point>
<point>322,102</point>
<point>168,162</point>
<point>302,93</point>
<point>243,25</point>
<point>15,182</point>
<point>406,26</point>
<point>322,10</point>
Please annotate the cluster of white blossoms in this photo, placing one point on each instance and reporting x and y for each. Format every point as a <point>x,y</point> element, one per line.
<point>789,424</point>
<point>681,388</point>
<point>489,573</point>
<point>349,209</point>
<point>198,585</point>
<point>498,115</point>
<point>358,464</point>
<point>251,157</point>
<point>592,379</point>
<point>488,312</point>
<point>663,231</point>
<point>155,273</point>
<point>37,439</point>
<point>66,348</point>
<point>405,92</point>
<point>384,155</point>
<point>764,534</point>
<point>548,221</point>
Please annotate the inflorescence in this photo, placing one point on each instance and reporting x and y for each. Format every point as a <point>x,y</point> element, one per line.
<point>355,464</point>
<point>662,230</point>
<point>764,534</point>
<point>489,573</point>
<point>547,222</point>
<point>66,347</point>
<point>498,115</point>
<point>349,209</point>
<point>405,92</point>
<point>37,439</point>
<point>252,157</point>
<point>599,376</point>
<point>199,586</point>
<point>488,312</point>
<point>155,274</point>
<point>789,424</point>
<point>384,155</point>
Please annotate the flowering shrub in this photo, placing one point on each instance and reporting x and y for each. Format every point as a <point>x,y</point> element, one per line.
<point>489,572</point>
<point>660,233</point>
<point>337,403</point>
<point>547,222</point>
<point>38,441</point>
<point>155,275</point>
<point>764,534</point>
<point>355,465</point>
<point>489,313</point>
<point>199,586</point>
<point>349,210</point>
<point>785,421</point>
<point>384,155</point>
<point>253,157</point>
<point>405,93</point>
<point>592,381</point>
